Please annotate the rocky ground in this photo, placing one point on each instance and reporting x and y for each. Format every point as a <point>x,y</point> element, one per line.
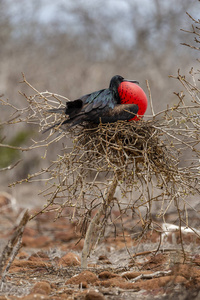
<point>47,265</point>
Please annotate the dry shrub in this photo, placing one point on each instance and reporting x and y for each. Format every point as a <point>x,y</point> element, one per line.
<point>149,161</point>
<point>146,157</point>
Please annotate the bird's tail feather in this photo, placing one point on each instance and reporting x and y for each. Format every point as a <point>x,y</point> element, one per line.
<point>72,109</point>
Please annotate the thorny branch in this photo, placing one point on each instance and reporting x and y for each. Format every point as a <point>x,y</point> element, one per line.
<point>12,247</point>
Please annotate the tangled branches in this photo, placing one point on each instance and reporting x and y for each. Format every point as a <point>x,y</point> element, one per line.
<point>151,163</point>
<point>145,157</point>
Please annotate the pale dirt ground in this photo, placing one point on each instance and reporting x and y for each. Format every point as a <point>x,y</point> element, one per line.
<point>50,258</point>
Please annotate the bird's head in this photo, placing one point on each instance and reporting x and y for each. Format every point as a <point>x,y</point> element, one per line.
<point>115,83</point>
<point>117,80</point>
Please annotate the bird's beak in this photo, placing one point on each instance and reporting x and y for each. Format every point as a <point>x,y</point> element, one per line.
<point>133,81</point>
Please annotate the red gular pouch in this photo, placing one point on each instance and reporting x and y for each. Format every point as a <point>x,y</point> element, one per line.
<point>131,93</point>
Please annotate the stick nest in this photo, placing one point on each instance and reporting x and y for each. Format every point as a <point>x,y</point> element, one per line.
<point>126,147</point>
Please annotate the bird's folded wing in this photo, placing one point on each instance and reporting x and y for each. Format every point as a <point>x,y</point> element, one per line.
<point>98,99</point>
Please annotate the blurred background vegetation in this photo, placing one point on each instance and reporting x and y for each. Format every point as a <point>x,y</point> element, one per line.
<point>74,47</point>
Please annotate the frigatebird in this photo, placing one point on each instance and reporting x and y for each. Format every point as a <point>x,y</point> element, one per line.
<point>123,100</point>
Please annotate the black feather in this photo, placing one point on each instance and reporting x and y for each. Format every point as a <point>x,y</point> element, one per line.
<point>100,106</point>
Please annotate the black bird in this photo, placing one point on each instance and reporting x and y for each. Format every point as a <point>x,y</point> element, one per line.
<point>118,102</point>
